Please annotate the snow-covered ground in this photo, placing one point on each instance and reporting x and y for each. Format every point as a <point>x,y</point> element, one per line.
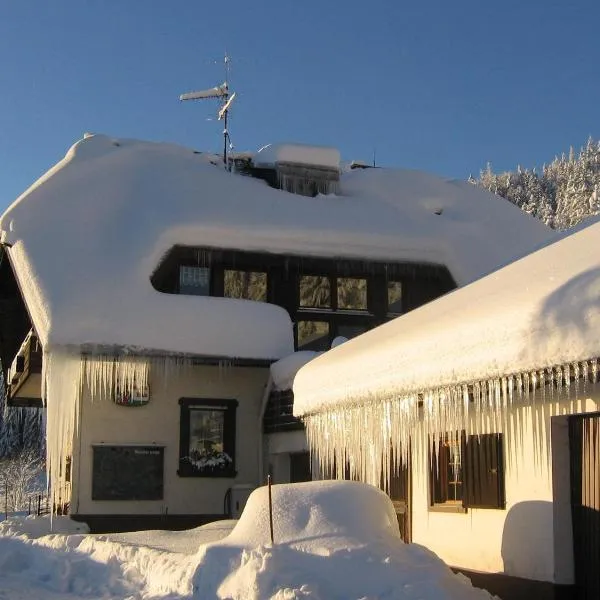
<point>333,540</point>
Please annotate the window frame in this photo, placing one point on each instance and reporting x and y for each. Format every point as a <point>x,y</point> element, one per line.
<point>480,454</point>
<point>229,407</point>
<point>186,265</point>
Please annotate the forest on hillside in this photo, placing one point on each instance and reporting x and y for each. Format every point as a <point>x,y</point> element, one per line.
<point>565,192</point>
<point>562,194</point>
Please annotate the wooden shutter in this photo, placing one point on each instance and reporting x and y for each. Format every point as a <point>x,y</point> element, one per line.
<point>438,472</point>
<point>483,471</point>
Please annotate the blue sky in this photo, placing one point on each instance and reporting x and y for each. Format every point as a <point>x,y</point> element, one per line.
<point>434,85</point>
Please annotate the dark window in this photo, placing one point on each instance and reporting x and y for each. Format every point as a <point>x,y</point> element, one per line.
<point>207,438</point>
<point>300,468</point>
<point>468,471</point>
<point>245,285</point>
<point>394,297</point>
<point>315,291</point>
<point>351,293</point>
<point>313,335</point>
<point>194,281</point>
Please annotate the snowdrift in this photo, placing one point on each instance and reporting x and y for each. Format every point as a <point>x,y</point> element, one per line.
<point>333,540</point>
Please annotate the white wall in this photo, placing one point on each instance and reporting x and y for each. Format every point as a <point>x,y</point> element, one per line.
<point>278,449</point>
<point>532,537</point>
<point>103,422</point>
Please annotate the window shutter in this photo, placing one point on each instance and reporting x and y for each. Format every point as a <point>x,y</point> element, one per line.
<point>483,471</point>
<point>439,473</point>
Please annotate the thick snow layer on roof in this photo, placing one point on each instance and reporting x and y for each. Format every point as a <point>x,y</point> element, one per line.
<point>333,540</point>
<point>284,370</point>
<point>541,311</point>
<point>87,236</point>
<point>298,153</point>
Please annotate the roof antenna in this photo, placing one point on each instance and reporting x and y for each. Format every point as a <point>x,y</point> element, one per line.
<point>222,93</point>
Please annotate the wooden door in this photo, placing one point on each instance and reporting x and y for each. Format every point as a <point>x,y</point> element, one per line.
<point>400,493</point>
<point>584,442</point>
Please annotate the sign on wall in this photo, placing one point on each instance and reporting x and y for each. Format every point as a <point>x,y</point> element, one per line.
<point>127,472</point>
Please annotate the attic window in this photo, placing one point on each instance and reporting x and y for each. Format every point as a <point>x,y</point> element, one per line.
<point>394,297</point>
<point>245,285</point>
<point>351,293</point>
<point>194,281</point>
<point>315,291</point>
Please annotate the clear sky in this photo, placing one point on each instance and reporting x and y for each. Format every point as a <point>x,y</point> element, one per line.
<point>435,85</point>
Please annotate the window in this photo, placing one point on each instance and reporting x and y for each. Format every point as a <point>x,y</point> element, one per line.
<point>246,285</point>
<point>394,297</point>
<point>315,291</point>
<point>351,293</point>
<point>207,438</point>
<point>467,472</point>
<point>313,335</point>
<point>194,281</point>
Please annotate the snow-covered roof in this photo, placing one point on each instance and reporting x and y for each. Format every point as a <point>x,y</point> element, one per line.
<point>538,312</point>
<point>322,156</point>
<point>89,233</point>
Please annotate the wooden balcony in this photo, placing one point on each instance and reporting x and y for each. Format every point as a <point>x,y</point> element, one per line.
<point>25,374</point>
<point>279,414</point>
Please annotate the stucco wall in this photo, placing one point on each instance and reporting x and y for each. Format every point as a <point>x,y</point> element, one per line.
<point>532,537</point>
<point>103,422</point>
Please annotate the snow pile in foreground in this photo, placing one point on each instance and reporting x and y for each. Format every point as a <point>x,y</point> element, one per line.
<point>333,540</point>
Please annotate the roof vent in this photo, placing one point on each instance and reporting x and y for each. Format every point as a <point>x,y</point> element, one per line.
<point>299,169</point>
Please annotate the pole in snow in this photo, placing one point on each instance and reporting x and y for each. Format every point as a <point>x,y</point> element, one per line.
<point>270,509</point>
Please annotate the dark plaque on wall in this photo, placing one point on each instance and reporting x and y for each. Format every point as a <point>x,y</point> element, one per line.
<point>127,472</point>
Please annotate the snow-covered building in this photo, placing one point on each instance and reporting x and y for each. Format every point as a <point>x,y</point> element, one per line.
<point>479,413</point>
<point>151,289</point>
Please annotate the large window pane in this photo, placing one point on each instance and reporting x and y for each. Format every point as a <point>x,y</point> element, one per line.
<point>315,291</point>
<point>247,285</point>
<point>394,297</point>
<point>313,335</point>
<point>352,293</point>
<point>206,433</point>
<point>194,281</point>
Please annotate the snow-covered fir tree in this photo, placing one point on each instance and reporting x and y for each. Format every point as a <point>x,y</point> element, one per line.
<point>566,192</point>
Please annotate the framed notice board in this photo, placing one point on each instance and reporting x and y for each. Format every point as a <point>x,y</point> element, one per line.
<point>127,472</point>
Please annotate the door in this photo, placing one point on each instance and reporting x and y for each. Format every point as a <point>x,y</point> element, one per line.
<point>584,447</point>
<point>300,467</point>
<point>400,493</point>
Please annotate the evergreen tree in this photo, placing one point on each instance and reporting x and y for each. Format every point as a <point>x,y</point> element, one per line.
<point>567,191</point>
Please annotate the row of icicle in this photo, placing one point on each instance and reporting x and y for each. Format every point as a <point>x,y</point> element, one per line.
<point>367,438</point>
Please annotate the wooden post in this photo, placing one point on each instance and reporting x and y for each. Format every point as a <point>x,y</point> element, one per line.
<point>270,508</point>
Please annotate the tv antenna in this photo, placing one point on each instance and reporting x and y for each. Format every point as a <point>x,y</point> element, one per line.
<point>221,92</point>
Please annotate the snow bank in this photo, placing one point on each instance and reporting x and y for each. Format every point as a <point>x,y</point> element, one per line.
<point>333,540</point>
<point>87,236</point>
<point>541,311</point>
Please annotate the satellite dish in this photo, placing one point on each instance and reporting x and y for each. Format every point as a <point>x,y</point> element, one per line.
<point>226,106</point>
<point>220,91</point>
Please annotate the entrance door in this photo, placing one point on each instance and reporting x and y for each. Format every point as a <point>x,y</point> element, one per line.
<point>584,442</point>
<point>400,494</point>
<point>300,467</point>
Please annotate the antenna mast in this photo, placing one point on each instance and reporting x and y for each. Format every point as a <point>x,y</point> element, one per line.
<point>221,92</point>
